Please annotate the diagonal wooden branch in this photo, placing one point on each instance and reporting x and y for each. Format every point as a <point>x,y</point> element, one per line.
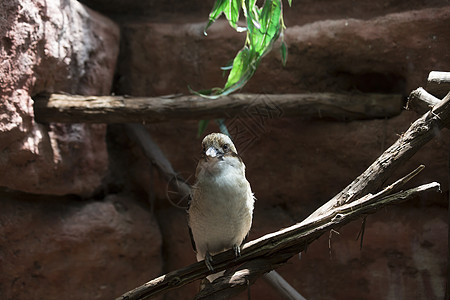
<point>264,254</point>
<point>282,286</point>
<point>236,280</point>
<point>417,135</point>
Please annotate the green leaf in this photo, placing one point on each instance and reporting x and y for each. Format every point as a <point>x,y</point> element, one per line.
<point>284,53</point>
<point>270,26</point>
<point>228,7</point>
<point>290,3</point>
<point>264,26</point>
<point>219,7</point>
<point>241,65</point>
<point>232,12</point>
<point>202,125</point>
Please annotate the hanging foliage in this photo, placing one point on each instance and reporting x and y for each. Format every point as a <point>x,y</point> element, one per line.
<point>263,26</point>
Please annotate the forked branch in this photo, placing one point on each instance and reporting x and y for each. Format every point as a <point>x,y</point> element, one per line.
<point>268,252</point>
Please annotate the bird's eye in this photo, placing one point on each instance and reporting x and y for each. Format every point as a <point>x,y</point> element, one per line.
<point>225,147</point>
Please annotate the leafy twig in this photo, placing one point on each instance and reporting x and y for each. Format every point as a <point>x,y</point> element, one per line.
<point>263,26</point>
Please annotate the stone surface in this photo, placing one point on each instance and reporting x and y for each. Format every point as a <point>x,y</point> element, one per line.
<point>67,248</point>
<point>50,46</point>
<point>162,10</point>
<point>184,56</point>
<point>391,53</point>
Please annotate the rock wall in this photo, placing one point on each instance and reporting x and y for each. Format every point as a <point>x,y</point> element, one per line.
<point>60,246</point>
<point>107,238</point>
<point>52,46</point>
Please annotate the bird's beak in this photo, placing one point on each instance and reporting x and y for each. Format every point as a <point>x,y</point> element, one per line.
<point>212,152</point>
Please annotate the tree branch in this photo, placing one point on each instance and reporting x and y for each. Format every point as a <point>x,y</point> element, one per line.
<point>417,135</point>
<point>282,286</point>
<point>301,236</point>
<point>268,252</point>
<point>61,108</point>
<point>421,101</point>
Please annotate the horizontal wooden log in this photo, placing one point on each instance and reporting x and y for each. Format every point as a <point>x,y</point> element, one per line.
<point>61,108</point>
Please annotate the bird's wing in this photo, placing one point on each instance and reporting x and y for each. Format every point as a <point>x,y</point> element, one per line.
<point>189,227</point>
<point>245,238</point>
<point>192,239</point>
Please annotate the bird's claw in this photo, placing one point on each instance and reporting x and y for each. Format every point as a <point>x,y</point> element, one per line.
<point>208,261</point>
<point>237,250</point>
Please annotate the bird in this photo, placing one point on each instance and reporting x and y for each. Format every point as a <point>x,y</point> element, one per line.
<point>221,204</point>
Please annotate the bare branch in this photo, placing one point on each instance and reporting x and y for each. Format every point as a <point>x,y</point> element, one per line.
<point>268,252</point>
<point>417,135</point>
<point>236,281</point>
<point>280,284</point>
<point>421,101</point>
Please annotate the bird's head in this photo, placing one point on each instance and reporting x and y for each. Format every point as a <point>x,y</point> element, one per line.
<point>218,145</point>
<point>219,155</point>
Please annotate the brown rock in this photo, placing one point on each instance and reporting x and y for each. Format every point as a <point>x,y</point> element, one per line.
<point>392,53</point>
<point>48,47</point>
<point>164,58</point>
<point>61,248</point>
